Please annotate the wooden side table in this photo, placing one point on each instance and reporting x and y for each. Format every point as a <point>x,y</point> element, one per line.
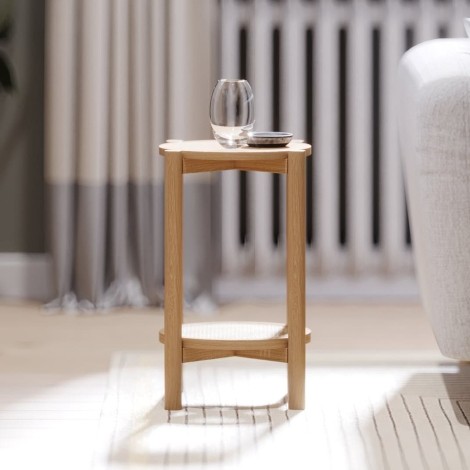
<point>201,341</point>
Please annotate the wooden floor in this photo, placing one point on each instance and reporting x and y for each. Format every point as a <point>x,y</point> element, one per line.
<point>53,368</point>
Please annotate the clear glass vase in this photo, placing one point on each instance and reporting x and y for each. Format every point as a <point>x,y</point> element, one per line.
<point>232,112</point>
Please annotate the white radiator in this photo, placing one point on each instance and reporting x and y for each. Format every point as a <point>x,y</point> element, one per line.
<point>326,71</point>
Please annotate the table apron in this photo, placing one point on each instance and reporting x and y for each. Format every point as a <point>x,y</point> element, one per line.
<point>271,165</point>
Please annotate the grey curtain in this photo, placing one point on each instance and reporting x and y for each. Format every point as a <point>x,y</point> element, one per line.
<point>105,117</point>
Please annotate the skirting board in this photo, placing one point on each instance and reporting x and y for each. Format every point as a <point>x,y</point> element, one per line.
<point>376,288</point>
<point>29,276</point>
<point>25,276</point>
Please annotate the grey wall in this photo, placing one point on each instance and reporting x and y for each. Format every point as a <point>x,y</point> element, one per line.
<point>21,135</point>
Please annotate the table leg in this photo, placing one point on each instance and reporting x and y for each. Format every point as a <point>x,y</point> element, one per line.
<point>296,280</point>
<point>173,279</point>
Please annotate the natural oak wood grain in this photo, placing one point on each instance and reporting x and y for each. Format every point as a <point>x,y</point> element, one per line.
<point>272,166</point>
<point>193,355</point>
<point>210,150</point>
<point>276,165</point>
<point>296,280</point>
<point>173,279</point>
<point>232,336</point>
<point>202,341</point>
<point>199,166</point>
<point>277,355</point>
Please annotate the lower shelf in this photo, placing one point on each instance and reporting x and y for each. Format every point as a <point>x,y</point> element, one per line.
<point>229,336</point>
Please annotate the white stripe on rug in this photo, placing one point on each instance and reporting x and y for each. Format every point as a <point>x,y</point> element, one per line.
<point>377,412</point>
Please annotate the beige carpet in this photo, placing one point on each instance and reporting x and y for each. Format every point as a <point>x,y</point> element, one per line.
<point>364,411</point>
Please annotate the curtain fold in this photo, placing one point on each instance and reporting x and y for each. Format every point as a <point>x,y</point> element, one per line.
<point>106,114</point>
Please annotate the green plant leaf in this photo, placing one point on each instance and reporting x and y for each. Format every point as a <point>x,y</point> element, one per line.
<point>6,28</point>
<point>6,76</point>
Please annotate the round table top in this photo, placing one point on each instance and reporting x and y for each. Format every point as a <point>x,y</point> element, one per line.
<point>209,149</point>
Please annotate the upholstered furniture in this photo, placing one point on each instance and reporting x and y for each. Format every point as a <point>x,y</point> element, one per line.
<point>434,132</point>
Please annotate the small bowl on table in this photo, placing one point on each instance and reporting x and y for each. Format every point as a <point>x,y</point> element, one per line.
<point>269,139</point>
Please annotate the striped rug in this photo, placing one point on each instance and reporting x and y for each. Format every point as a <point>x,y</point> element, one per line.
<point>363,411</point>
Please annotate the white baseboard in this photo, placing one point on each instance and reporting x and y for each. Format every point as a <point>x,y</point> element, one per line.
<point>386,289</point>
<point>26,276</point>
<point>29,276</point>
